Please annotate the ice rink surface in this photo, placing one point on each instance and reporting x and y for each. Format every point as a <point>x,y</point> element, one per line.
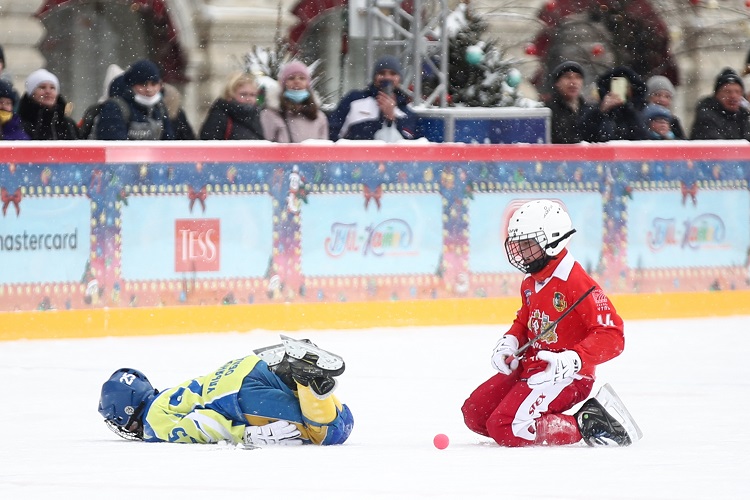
<point>686,383</point>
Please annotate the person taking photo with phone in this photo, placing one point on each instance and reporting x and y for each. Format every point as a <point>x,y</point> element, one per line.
<point>618,117</point>
<point>381,111</point>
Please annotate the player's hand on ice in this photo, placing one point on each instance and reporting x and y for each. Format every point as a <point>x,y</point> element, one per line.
<point>279,432</point>
<point>507,346</point>
<point>560,365</point>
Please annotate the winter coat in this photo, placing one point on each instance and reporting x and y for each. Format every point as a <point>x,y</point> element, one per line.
<point>232,121</point>
<point>13,130</point>
<point>623,123</point>
<point>358,116</point>
<point>566,125</point>
<point>284,121</point>
<point>712,121</point>
<point>46,124</point>
<point>142,124</point>
<point>183,131</point>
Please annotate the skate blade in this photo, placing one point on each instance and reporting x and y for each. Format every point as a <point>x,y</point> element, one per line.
<point>297,350</point>
<point>272,355</point>
<point>611,402</point>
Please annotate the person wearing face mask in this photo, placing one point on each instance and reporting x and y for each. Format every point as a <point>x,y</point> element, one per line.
<point>380,111</point>
<point>11,128</point>
<point>292,112</point>
<point>43,111</point>
<point>145,116</point>
<point>234,115</point>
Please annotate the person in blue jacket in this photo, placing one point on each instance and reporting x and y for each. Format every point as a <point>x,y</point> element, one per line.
<point>11,128</point>
<point>136,111</point>
<point>246,402</point>
<point>380,111</point>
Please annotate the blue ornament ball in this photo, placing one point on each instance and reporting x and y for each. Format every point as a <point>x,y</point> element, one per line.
<point>513,78</point>
<point>474,55</point>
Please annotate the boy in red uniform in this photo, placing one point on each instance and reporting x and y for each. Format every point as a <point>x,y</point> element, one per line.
<point>523,404</point>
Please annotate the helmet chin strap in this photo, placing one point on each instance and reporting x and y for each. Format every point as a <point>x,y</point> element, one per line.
<point>553,244</point>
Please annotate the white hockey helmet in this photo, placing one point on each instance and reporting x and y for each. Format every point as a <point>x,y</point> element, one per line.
<point>544,222</point>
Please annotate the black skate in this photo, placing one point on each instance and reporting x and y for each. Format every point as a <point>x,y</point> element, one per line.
<point>604,421</point>
<point>278,362</point>
<point>312,366</point>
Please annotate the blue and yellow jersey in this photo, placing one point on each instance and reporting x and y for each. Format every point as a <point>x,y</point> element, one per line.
<point>201,410</point>
<point>218,407</point>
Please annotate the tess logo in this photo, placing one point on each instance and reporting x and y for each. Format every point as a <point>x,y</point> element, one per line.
<point>196,245</point>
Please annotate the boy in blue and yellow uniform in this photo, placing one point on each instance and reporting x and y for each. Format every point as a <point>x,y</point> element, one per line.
<point>245,401</point>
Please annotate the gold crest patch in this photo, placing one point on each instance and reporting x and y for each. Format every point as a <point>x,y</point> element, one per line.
<point>538,321</point>
<point>558,300</point>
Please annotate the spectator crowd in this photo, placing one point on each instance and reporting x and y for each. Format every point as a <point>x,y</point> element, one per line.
<point>137,105</point>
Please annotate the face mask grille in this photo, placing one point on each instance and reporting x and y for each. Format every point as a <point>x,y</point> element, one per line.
<point>526,252</point>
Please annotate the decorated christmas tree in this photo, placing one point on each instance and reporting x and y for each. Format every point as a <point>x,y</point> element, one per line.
<point>478,73</point>
<point>266,62</point>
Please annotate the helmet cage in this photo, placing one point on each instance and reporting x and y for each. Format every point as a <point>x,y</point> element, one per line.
<point>131,435</point>
<point>527,251</point>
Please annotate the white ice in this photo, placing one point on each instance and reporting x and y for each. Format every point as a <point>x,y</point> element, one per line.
<point>685,382</point>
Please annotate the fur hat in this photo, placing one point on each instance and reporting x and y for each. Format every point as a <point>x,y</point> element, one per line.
<point>728,75</point>
<point>565,67</point>
<point>654,111</point>
<point>387,62</point>
<point>659,83</point>
<point>38,77</point>
<point>291,68</point>
<point>141,72</point>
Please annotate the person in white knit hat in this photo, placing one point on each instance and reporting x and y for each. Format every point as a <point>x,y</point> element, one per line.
<point>43,111</point>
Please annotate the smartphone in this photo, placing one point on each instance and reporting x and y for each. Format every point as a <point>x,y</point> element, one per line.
<point>619,86</point>
<point>387,87</point>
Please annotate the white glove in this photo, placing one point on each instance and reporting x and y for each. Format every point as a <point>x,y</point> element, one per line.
<point>560,365</point>
<point>507,346</point>
<point>279,432</point>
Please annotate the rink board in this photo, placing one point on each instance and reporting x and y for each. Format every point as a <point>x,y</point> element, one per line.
<point>293,317</point>
<point>119,238</point>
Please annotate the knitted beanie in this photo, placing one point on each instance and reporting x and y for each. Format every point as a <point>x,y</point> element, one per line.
<point>659,83</point>
<point>38,77</point>
<point>387,62</point>
<point>565,67</point>
<point>141,72</point>
<point>291,68</point>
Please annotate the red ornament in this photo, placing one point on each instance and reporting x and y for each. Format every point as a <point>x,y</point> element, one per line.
<point>695,2</point>
<point>747,4</point>
<point>598,49</point>
<point>531,49</point>
<point>551,6</point>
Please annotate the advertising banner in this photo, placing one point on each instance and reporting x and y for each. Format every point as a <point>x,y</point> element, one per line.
<point>50,243</point>
<point>665,230</point>
<point>153,225</point>
<point>164,237</point>
<point>340,236</point>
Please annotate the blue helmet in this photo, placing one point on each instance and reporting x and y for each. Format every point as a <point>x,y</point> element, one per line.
<point>124,397</point>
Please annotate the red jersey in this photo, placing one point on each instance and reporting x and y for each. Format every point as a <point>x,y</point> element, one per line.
<point>594,330</point>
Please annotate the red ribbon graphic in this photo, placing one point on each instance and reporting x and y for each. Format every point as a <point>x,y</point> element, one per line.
<point>197,195</point>
<point>8,198</point>
<point>375,194</point>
